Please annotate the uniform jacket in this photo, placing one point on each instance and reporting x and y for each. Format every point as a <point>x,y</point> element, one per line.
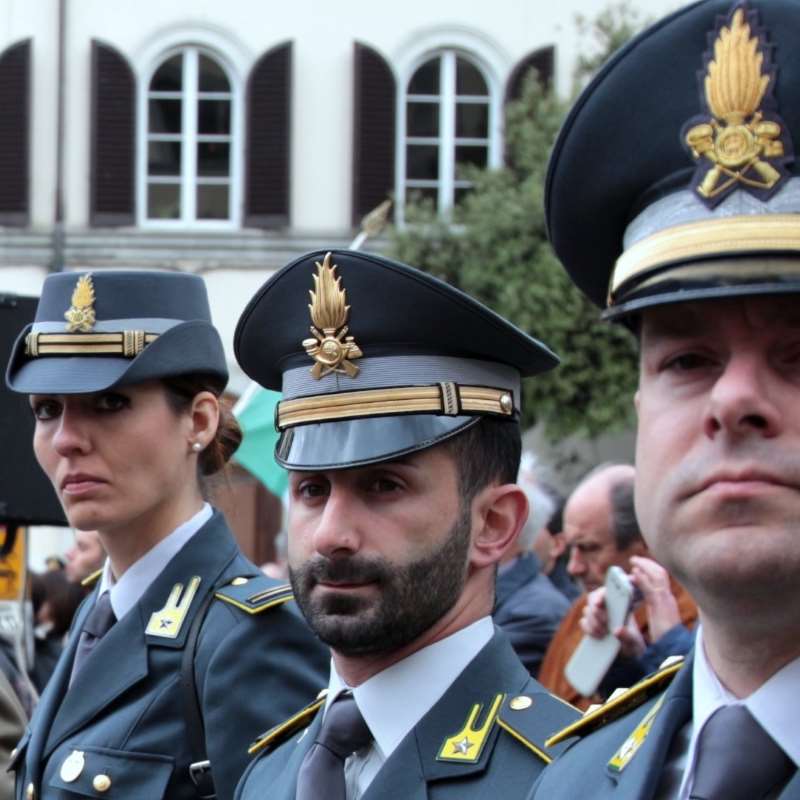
<point>529,609</point>
<point>635,771</point>
<point>506,766</point>
<point>124,715</point>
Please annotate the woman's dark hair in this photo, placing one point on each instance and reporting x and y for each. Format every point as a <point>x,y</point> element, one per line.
<point>181,390</point>
<point>62,596</point>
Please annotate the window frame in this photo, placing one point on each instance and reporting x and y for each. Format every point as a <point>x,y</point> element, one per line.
<point>489,67</point>
<point>191,50</point>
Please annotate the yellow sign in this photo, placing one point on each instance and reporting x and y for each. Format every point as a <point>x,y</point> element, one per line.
<point>12,567</point>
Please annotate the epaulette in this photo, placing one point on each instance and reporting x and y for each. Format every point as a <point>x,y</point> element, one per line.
<point>533,719</point>
<point>91,580</point>
<point>281,732</point>
<point>254,594</point>
<point>620,703</point>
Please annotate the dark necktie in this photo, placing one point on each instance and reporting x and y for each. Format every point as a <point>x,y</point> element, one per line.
<point>737,759</point>
<point>97,625</point>
<point>342,733</point>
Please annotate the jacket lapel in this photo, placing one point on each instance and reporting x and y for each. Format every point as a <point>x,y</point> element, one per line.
<point>635,778</point>
<point>50,701</point>
<point>280,773</point>
<point>416,763</point>
<point>120,660</point>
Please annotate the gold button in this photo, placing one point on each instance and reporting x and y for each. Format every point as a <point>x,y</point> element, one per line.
<point>506,403</point>
<point>239,581</point>
<point>101,783</point>
<point>30,792</point>
<point>520,703</point>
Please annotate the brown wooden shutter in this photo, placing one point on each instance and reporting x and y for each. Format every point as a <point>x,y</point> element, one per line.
<point>269,93</point>
<point>374,123</point>
<point>543,60</point>
<point>113,139</point>
<point>14,133</point>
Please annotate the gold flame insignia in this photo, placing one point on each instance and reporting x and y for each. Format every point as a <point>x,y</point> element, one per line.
<point>331,348</point>
<point>736,142</point>
<point>80,316</point>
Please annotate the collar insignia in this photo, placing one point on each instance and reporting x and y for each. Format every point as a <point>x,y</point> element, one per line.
<point>631,745</point>
<point>80,316</point>
<point>466,746</point>
<point>743,144</point>
<point>331,348</point>
<point>167,622</point>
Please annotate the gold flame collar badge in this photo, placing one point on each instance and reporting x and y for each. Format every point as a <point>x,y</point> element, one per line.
<point>743,144</point>
<point>331,348</point>
<point>80,316</point>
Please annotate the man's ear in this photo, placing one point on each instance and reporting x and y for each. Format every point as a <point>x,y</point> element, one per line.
<point>498,514</point>
<point>636,402</point>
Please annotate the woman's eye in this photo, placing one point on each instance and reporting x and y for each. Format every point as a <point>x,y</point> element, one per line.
<point>111,401</point>
<point>384,485</point>
<point>311,489</point>
<point>46,409</point>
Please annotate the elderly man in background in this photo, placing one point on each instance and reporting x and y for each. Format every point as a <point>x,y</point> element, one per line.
<point>528,607</point>
<point>602,531</point>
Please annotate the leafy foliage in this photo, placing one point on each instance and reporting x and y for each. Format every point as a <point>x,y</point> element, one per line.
<point>495,248</point>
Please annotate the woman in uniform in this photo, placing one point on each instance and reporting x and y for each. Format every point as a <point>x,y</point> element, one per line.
<point>184,652</point>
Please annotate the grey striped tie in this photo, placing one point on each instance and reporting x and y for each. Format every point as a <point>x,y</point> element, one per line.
<point>343,731</point>
<point>97,624</point>
<point>737,759</point>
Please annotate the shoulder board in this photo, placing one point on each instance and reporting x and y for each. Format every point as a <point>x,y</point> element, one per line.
<point>255,594</point>
<point>621,702</point>
<point>280,733</point>
<point>532,718</point>
<point>91,580</point>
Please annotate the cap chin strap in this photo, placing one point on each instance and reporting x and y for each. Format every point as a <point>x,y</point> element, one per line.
<point>127,344</point>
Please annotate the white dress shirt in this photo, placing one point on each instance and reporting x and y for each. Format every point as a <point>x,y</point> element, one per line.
<point>395,700</point>
<point>775,705</point>
<point>136,580</point>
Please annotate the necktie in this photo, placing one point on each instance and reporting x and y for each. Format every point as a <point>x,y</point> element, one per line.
<point>97,625</point>
<point>342,733</point>
<point>737,759</point>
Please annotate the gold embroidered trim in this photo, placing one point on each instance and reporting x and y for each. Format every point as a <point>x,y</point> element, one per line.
<point>763,233</point>
<point>384,402</point>
<point>122,343</point>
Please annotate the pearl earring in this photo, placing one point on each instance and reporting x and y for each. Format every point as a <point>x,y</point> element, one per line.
<point>197,447</point>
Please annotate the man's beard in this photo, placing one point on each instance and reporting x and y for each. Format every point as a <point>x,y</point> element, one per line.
<point>402,602</point>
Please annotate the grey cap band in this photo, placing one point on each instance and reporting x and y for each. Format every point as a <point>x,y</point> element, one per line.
<point>393,371</point>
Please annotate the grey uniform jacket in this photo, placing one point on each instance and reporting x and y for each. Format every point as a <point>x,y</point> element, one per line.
<point>625,759</point>
<point>503,766</point>
<point>122,722</point>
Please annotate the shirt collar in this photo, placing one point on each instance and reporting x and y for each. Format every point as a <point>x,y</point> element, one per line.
<point>775,704</point>
<point>136,580</point>
<point>395,700</point>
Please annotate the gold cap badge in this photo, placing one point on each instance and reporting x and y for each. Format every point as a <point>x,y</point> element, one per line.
<point>331,348</point>
<point>742,145</point>
<point>80,316</point>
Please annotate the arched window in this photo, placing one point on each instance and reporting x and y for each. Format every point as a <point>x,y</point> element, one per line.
<point>191,159</point>
<point>450,123</point>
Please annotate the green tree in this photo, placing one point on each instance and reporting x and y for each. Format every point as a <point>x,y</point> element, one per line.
<point>495,249</point>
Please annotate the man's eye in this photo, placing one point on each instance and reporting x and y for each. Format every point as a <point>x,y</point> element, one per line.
<point>311,489</point>
<point>687,362</point>
<point>46,409</point>
<point>111,401</point>
<point>384,485</point>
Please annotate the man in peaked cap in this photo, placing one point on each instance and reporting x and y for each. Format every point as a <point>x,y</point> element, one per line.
<point>673,199</point>
<point>400,428</point>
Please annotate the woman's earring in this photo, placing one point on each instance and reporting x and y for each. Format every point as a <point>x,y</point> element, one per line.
<point>197,447</point>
